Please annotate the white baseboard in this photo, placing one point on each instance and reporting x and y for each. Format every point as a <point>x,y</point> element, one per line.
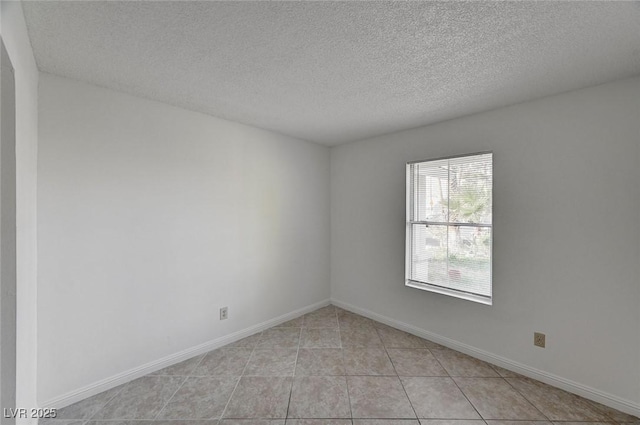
<point>129,375</point>
<point>585,391</point>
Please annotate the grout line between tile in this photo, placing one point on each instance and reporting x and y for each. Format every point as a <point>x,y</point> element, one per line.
<point>295,365</point>
<point>525,397</point>
<point>192,373</point>
<point>180,386</point>
<point>240,377</point>
<point>397,376</point>
<point>105,404</point>
<point>172,395</point>
<point>346,377</point>
<point>460,389</point>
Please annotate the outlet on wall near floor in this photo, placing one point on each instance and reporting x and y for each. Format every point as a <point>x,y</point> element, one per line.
<point>224,313</point>
<point>539,339</point>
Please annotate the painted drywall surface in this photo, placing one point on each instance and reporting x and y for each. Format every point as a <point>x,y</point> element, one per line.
<point>151,218</point>
<point>7,236</point>
<point>565,256</point>
<point>16,39</point>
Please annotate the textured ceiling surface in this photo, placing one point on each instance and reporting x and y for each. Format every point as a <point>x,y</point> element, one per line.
<point>333,72</point>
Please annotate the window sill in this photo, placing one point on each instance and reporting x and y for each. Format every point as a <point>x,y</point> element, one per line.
<point>444,291</point>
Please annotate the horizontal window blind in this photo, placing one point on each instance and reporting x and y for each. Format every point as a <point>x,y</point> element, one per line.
<point>449,224</point>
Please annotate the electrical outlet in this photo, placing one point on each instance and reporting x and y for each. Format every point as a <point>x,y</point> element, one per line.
<point>224,313</point>
<point>538,339</point>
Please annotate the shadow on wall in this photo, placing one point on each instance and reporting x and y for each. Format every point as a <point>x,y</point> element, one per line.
<point>7,236</point>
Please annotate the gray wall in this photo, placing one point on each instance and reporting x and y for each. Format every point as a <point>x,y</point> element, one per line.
<point>151,218</point>
<point>16,40</point>
<point>566,234</point>
<point>7,236</point>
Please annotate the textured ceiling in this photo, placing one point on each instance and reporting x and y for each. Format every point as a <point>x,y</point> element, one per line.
<point>335,72</point>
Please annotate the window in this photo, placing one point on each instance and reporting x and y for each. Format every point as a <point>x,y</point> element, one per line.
<point>449,232</point>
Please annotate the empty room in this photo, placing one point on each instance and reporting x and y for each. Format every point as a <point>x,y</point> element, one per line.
<point>320,213</point>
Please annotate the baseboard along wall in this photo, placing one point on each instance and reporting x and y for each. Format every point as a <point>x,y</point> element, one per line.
<point>137,372</point>
<point>623,405</point>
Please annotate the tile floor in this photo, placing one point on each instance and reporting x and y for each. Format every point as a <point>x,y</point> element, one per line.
<point>337,368</point>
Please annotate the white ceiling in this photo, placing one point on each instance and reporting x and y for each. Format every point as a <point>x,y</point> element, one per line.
<point>336,72</point>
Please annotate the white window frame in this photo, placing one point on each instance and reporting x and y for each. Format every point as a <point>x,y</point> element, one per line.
<point>409,238</point>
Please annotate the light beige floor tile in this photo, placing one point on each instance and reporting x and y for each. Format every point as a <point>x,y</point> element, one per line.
<point>379,397</point>
<point>326,310</point>
<point>280,338</point>
<point>556,404</point>
<point>313,320</point>
<point>174,422</point>
<point>185,391</point>
<point>319,397</point>
<point>582,423</point>
<point>506,373</point>
<point>293,323</point>
<point>367,361</point>
<point>200,398</point>
<point>360,337</point>
<point>147,422</point>
<point>380,325</point>
<point>248,342</point>
<point>141,399</point>
<point>158,422</point>
<point>105,422</point>
<point>415,362</point>
<point>272,362</point>
<point>438,398</point>
<point>86,408</point>
<point>349,321</point>
<point>494,398</point>
<point>320,361</point>
<point>498,422</point>
<point>260,397</point>
<point>458,364</point>
<point>320,338</point>
<point>456,422</point>
<point>394,338</point>
<point>184,368</point>
<point>613,414</point>
<point>223,362</point>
